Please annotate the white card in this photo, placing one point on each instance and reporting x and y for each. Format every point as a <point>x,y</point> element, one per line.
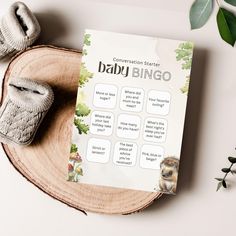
<point>130,111</point>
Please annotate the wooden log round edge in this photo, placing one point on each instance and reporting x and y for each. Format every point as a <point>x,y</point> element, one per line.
<point>146,199</point>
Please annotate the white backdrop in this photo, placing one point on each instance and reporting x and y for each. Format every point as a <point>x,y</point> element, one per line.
<point>209,135</point>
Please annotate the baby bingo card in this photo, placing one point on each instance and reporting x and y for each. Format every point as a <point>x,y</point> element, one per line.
<point>130,111</point>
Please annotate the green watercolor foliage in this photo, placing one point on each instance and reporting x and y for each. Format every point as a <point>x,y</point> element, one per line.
<point>82,127</point>
<point>73,148</point>
<point>85,75</point>
<point>87,40</point>
<point>82,110</point>
<point>185,88</point>
<point>75,170</point>
<point>184,53</point>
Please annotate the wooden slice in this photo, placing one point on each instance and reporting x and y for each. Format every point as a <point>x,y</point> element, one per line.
<point>44,163</point>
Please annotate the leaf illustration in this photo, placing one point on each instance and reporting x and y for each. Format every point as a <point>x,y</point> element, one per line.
<point>226,22</point>
<point>184,53</point>
<point>185,88</point>
<point>84,52</point>
<point>231,2</point>
<point>200,12</point>
<point>87,41</point>
<point>82,110</point>
<point>82,127</point>
<point>73,148</point>
<point>85,75</point>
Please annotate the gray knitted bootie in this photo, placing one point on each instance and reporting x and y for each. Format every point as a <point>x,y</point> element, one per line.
<point>19,29</point>
<point>23,109</point>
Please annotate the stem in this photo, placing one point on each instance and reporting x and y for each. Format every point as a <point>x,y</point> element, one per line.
<point>217,1</point>
<point>228,172</point>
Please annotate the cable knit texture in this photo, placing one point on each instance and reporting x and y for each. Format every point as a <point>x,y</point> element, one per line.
<point>4,48</point>
<point>19,29</point>
<point>23,110</point>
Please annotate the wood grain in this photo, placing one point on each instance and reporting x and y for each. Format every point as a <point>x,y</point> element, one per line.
<point>44,163</point>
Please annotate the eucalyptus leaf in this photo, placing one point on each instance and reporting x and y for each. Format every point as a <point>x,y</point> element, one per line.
<point>224,184</point>
<point>226,22</point>
<point>219,179</point>
<point>231,2</point>
<point>219,185</point>
<point>200,12</point>
<point>232,159</point>
<point>225,170</point>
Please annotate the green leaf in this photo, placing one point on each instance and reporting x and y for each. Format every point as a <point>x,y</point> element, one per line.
<point>85,75</point>
<point>187,65</point>
<point>87,41</point>
<point>185,88</point>
<point>81,126</point>
<point>200,12</point>
<point>73,148</point>
<point>224,184</point>
<point>219,185</point>
<point>82,110</point>
<point>187,45</point>
<point>232,159</point>
<point>225,170</point>
<point>219,179</point>
<point>184,53</point>
<point>226,22</point>
<point>84,52</point>
<point>231,2</point>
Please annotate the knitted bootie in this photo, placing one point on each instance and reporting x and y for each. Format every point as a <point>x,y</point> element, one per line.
<point>23,109</point>
<point>19,29</point>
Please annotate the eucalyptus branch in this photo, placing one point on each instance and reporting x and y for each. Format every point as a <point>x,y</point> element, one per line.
<point>201,10</point>
<point>222,181</point>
